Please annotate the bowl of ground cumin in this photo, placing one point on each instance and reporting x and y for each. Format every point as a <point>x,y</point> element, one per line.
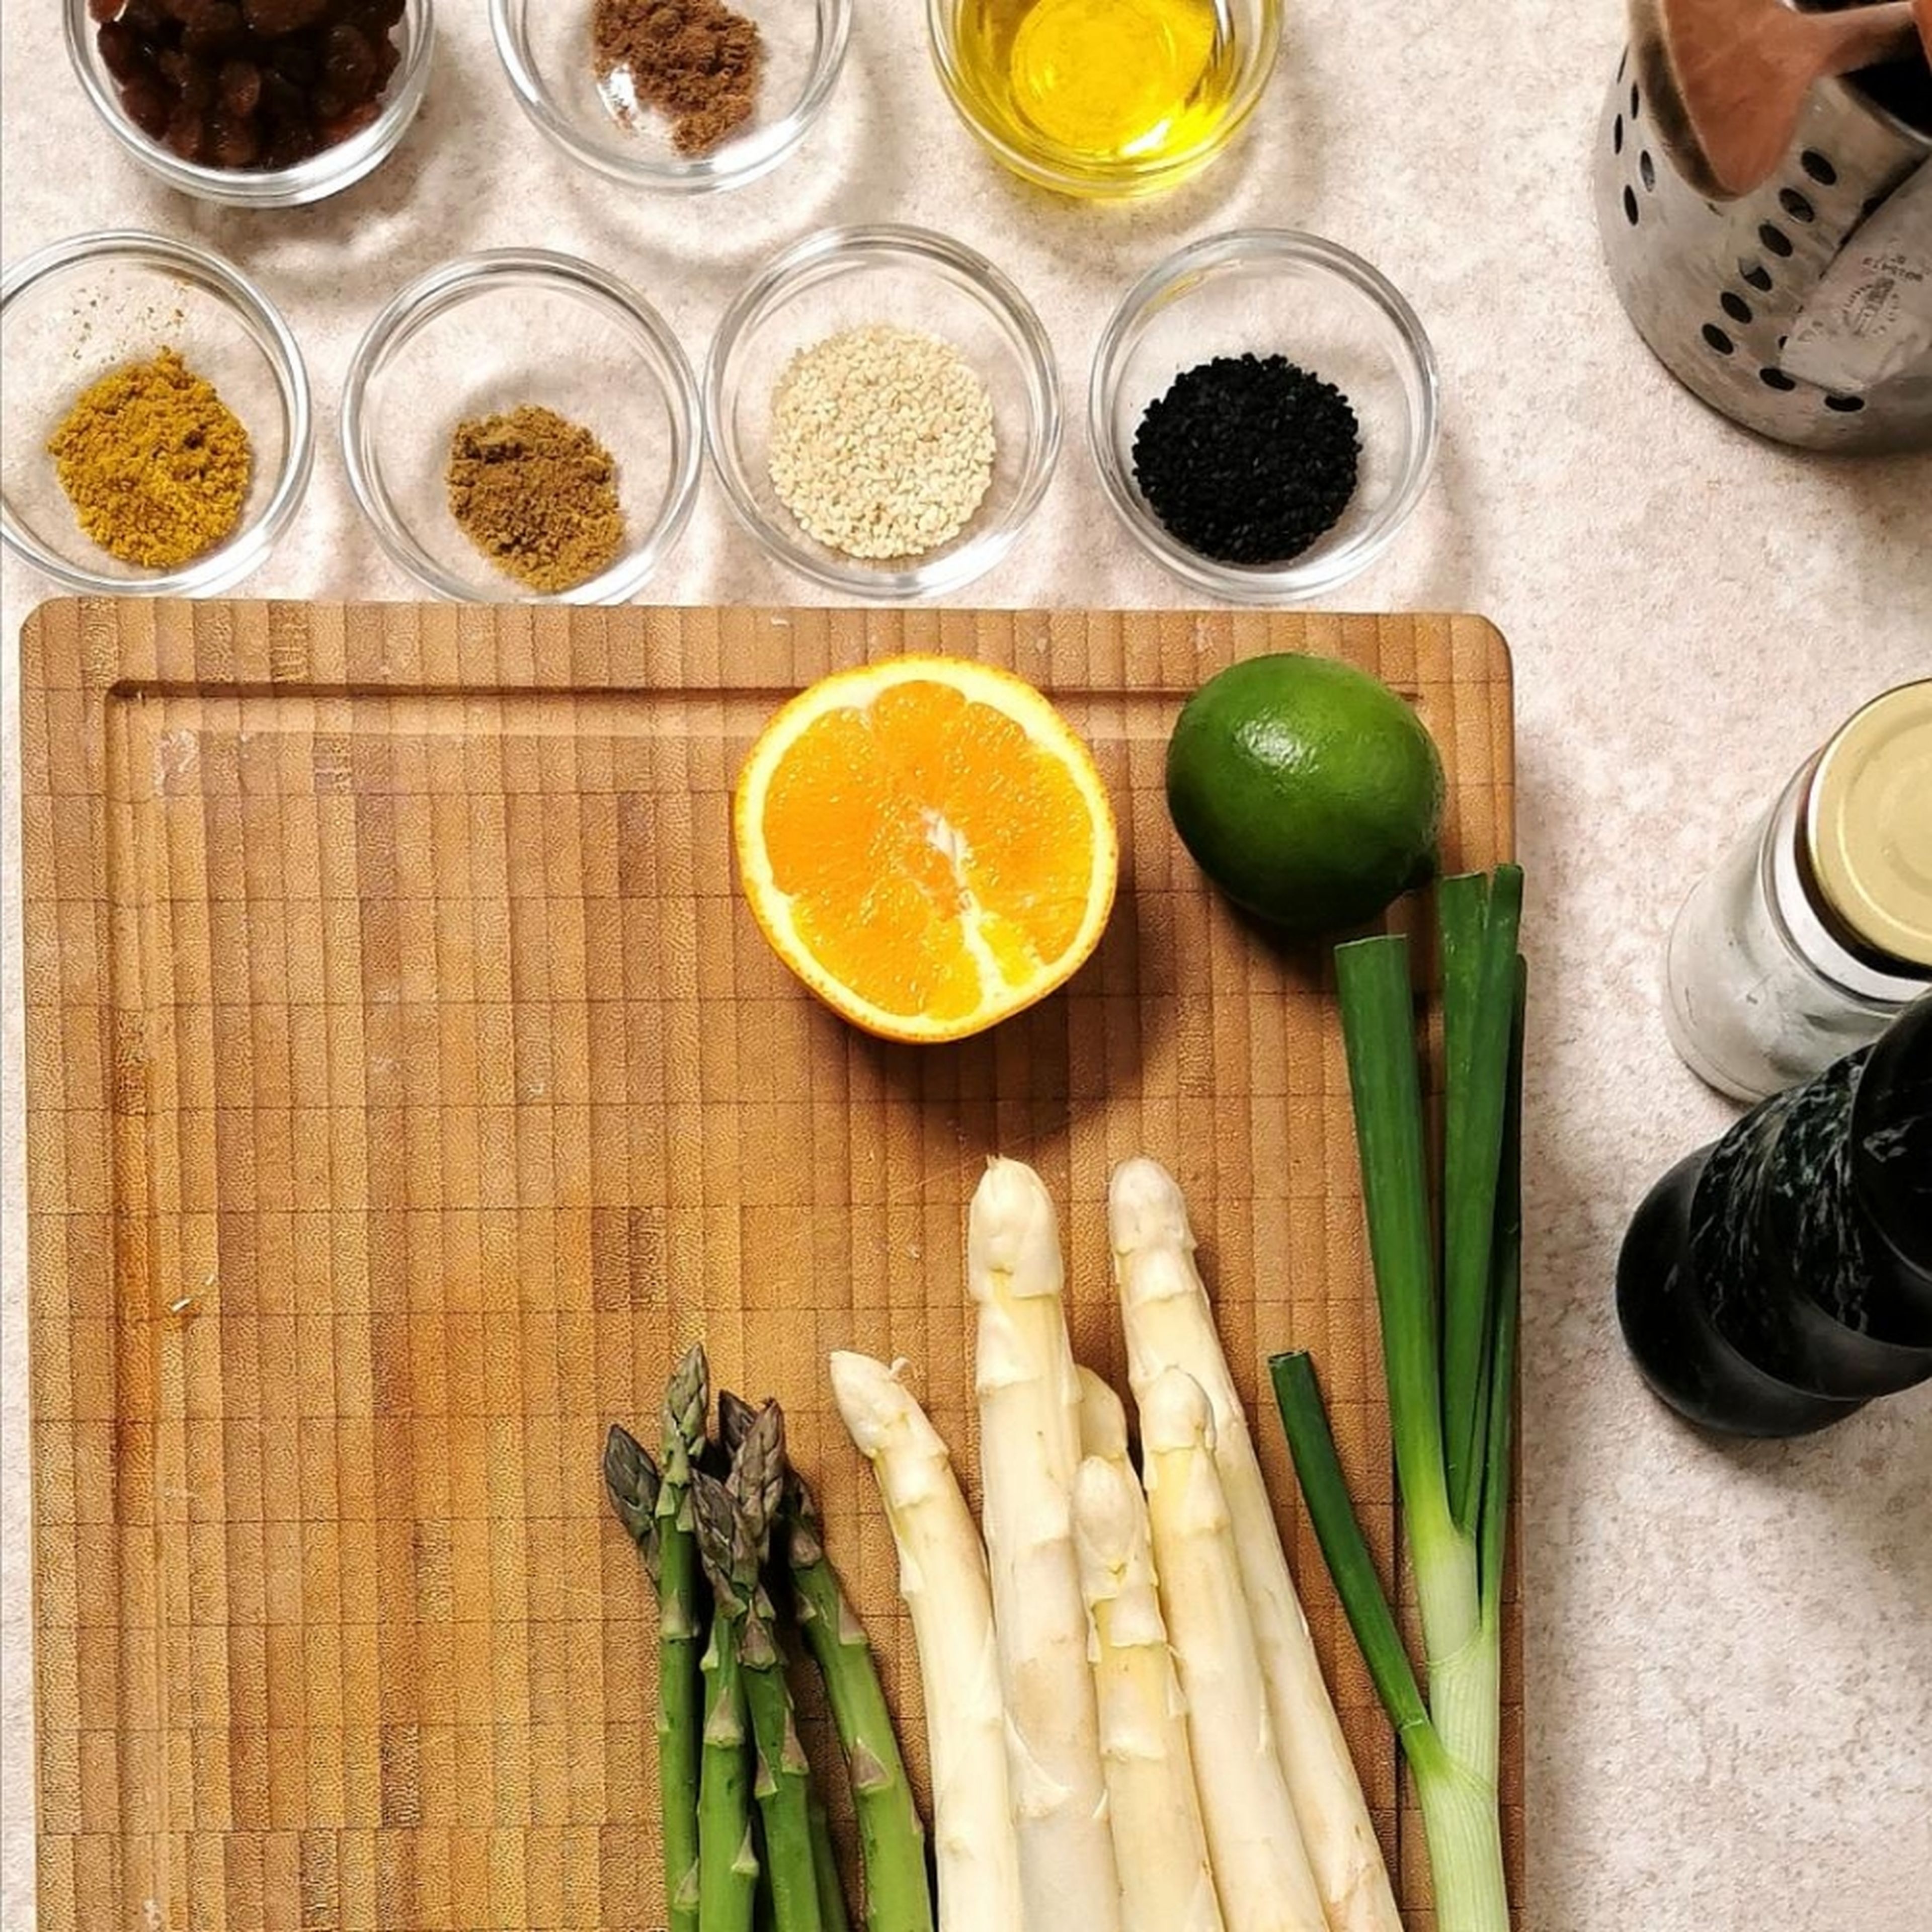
<point>684,97</point>
<point>158,435</point>
<point>521,425</point>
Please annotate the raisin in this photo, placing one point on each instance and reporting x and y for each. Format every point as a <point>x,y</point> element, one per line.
<point>187,131</point>
<point>147,19</point>
<point>232,141</point>
<point>241,85</point>
<point>218,29</point>
<point>149,104</point>
<point>123,52</point>
<point>104,11</point>
<point>277,17</point>
<point>193,82</point>
<point>349,63</point>
<point>294,141</point>
<point>281,99</point>
<point>389,57</point>
<point>350,120</point>
<point>295,63</point>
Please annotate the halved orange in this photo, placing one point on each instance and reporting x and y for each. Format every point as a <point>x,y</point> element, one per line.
<point>927,845</point>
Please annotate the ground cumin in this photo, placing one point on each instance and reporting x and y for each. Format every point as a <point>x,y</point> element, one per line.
<point>154,463</point>
<point>537,494</point>
<point>695,61</point>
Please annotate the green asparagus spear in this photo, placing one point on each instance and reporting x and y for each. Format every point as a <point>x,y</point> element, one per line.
<point>637,1488</point>
<point>735,1417</point>
<point>682,1721</point>
<point>733,1526</point>
<point>898,1893</point>
<point>764,1913</point>
<point>831,1911</point>
<point>727,1858</point>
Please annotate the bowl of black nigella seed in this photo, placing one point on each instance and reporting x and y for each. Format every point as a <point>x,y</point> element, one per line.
<point>1263,413</point>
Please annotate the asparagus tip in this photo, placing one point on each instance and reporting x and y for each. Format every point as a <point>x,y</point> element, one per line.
<point>758,1474</point>
<point>735,1417</point>
<point>686,1404</point>
<point>633,1484</point>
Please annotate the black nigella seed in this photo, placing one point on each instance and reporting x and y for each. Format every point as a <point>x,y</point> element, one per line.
<point>1248,459</point>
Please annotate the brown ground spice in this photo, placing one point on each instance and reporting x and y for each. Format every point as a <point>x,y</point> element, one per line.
<point>154,463</point>
<point>537,494</point>
<point>695,61</point>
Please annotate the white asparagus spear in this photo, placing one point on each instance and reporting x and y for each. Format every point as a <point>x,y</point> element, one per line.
<point>943,1578</point>
<point>1160,1841</point>
<point>1260,1868</point>
<point>1029,1449</point>
<point>1169,1325</point>
<point>1103,1419</point>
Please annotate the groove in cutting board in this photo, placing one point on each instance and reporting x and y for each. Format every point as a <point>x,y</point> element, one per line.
<point>407,1085</point>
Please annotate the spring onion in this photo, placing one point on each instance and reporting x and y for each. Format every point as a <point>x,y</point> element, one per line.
<point>1451,1367</point>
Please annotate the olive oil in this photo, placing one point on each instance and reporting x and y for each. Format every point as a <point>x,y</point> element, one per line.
<point>1101,85</point>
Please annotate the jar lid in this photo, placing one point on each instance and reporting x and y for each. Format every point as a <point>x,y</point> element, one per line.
<point>1868,825</point>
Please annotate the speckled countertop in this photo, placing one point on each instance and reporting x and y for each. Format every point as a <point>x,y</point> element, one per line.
<point>1731,1712</point>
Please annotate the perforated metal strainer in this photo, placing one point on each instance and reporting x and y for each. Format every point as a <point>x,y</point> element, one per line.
<point>1716,289</point>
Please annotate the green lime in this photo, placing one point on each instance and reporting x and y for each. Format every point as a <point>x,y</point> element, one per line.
<point>1306,789</point>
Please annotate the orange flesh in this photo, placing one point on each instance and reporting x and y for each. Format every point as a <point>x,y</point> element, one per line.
<point>894,828</point>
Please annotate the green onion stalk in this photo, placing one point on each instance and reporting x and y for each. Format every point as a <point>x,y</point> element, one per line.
<point>1450,1356</point>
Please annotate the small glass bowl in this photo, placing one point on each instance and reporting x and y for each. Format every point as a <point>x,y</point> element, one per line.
<point>489,333</point>
<point>1253,27</point>
<point>80,308</point>
<point>545,47</point>
<point>327,173</point>
<point>1273,292</point>
<point>849,277</point>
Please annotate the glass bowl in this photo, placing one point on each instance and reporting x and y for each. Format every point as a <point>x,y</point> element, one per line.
<point>327,173</point>
<point>1251,30</point>
<point>489,333</point>
<point>74,311</point>
<point>1273,292</point>
<point>847,278</point>
<point>545,46</point>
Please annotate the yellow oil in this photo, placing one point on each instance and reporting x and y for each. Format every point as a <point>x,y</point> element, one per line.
<point>1099,88</point>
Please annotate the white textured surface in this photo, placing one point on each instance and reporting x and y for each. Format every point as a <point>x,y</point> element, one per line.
<point>1731,1725</point>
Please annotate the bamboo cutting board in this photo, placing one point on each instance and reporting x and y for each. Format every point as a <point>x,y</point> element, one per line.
<point>407,1085</point>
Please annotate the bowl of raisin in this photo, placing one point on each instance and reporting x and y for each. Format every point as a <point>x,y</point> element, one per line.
<point>260,104</point>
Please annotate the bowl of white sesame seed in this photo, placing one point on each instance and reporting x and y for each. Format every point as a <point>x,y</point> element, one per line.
<point>882,409</point>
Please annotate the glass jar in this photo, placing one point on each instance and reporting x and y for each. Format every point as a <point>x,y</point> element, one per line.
<point>1814,931</point>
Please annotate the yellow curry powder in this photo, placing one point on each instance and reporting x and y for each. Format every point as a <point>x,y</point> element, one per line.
<point>154,463</point>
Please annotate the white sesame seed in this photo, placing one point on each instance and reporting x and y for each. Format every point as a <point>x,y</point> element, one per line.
<point>882,442</point>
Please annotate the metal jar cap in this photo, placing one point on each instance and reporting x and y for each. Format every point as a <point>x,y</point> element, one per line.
<point>1868,825</point>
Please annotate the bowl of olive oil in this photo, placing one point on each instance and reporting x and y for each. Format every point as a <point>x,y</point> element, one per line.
<point>1105,98</point>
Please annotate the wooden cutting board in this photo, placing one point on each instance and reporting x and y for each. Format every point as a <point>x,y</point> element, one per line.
<point>407,1084</point>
